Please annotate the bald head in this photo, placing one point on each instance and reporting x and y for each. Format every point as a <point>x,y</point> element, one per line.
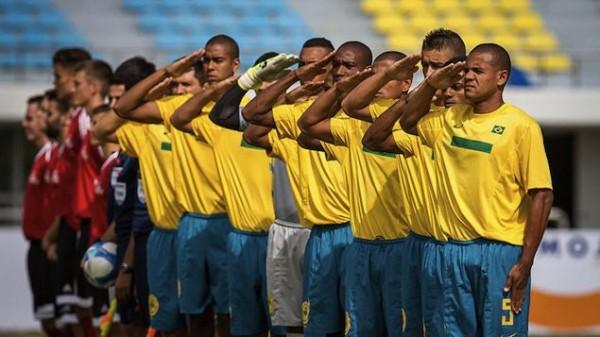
<point>500,57</point>
<point>363,53</point>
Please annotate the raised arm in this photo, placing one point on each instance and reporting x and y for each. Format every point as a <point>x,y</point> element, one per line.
<point>226,112</point>
<point>259,110</point>
<point>309,143</point>
<point>419,100</point>
<point>315,122</point>
<point>356,103</point>
<point>258,136</point>
<point>379,135</point>
<point>133,105</point>
<point>105,128</point>
<point>192,108</point>
<point>537,219</point>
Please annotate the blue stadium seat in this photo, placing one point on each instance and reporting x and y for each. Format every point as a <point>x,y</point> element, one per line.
<point>8,61</point>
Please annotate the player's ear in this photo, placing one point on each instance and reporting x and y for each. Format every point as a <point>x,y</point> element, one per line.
<point>501,78</point>
<point>236,64</point>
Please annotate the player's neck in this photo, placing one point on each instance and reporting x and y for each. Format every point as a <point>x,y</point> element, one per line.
<point>41,141</point>
<point>93,103</point>
<point>489,105</point>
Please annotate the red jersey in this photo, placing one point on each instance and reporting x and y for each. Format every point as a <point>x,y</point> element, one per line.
<point>88,164</point>
<point>61,178</point>
<point>99,206</point>
<point>36,217</point>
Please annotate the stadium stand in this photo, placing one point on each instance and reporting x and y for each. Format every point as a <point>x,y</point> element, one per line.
<point>514,24</point>
<point>30,31</point>
<point>179,26</point>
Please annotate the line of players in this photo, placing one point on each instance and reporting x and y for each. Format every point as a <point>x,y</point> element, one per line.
<point>375,209</point>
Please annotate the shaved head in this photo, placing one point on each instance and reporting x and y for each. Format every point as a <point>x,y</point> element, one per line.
<point>363,53</point>
<point>500,57</point>
<point>390,55</point>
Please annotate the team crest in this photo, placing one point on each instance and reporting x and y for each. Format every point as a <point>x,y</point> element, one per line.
<point>305,312</point>
<point>348,324</point>
<point>498,129</point>
<point>153,305</point>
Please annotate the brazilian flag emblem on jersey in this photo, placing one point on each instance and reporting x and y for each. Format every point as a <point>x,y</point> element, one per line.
<point>498,129</point>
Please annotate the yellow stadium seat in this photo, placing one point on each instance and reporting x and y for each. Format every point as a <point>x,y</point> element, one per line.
<point>541,42</point>
<point>376,6</point>
<point>526,21</point>
<point>554,63</point>
<point>407,7</point>
<point>472,39</point>
<point>446,7</point>
<point>514,6</point>
<point>526,62</point>
<point>478,6</point>
<point>492,22</point>
<point>406,43</point>
<point>511,42</point>
<point>421,24</point>
<point>459,23</point>
<point>388,23</point>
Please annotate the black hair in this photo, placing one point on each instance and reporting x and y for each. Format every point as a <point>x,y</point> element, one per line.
<point>441,38</point>
<point>364,52</point>
<point>36,99</point>
<point>390,55</point>
<point>499,53</point>
<point>227,41</point>
<point>320,42</point>
<point>265,57</point>
<point>132,71</point>
<point>70,57</point>
<point>98,70</point>
<point>63,104</point>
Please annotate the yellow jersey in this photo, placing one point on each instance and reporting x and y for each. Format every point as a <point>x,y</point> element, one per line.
<point>323,187</point>
<point>287,151</point>
<point>416,179</point>
<point>485,164</point>
<point>245,174</point>
<point>151,144</point>
<point>198,186</point>
<point>376,208</point>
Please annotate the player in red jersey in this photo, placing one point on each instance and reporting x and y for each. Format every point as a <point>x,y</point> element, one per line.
<point>37,218</point>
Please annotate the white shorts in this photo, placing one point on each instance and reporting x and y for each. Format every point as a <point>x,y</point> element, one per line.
<point>285,264</point>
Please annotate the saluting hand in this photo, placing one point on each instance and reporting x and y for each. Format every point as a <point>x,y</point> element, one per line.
<point>181,66</point>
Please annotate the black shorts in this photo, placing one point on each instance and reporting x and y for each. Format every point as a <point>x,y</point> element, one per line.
<point>42,280</point>
<point>73,288</point>
<point>140,276</point>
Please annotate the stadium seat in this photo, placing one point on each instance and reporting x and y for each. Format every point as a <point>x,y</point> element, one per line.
<point>552,63</point>
<point>387,23</point>
<point>472,39</point>
<point>447,8</point>
<point>421,24</point>
<point>491,22</point>
<point>514,6</point>
<point>526,61</point>
<point>541,42</point>
<point>526,22</point>
<point>406,43</point>
<point>409,7</point>
<point>377,6</point>
<point>509,41</point>
<point>459,23</point>
<point>478,6</point>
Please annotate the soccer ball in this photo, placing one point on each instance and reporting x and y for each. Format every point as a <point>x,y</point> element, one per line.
<point>100,264</point>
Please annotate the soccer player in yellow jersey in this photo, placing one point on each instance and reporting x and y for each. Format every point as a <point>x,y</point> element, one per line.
<point>248,189</point>
<point>288,234</point>
<point>373,261</point>
<point>420,275</point>
<point>323,187</point>
<point>494,194</point>
<point>204,226</point>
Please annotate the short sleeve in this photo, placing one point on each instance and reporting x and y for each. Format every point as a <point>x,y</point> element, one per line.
<point>168,105</point>
<point>278,149</point>
<point>534,171</point>
<point>130,136</point>
<point>340,129</point>
<point>432,124</point>
<point>205,129</point>
<point>286,118</point>
<point>378,107</point>
<point>406,142</point>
